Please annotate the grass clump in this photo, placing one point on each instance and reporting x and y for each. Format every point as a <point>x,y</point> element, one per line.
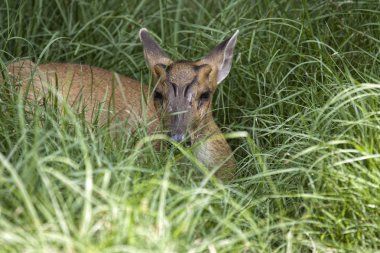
<point>305,86</point>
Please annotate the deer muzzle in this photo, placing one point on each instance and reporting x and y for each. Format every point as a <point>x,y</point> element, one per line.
<point>178,125</point>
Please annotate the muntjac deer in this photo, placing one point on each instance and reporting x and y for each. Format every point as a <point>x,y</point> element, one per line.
<point>181,98</point>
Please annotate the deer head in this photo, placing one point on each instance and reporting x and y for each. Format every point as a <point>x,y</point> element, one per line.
<point>184,89</point>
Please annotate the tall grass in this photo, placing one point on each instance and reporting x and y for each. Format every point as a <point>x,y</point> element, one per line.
<point>305,86</point>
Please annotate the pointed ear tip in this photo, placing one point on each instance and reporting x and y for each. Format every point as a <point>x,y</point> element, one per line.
<point>236,33</point>
<point>142,31</point>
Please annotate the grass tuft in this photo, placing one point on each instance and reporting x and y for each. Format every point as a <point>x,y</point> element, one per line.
<point>301,108</point>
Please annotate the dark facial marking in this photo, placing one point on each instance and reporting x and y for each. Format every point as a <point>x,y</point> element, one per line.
<point>189,85</point>
<point>174,88</point>
<point>196,68</point>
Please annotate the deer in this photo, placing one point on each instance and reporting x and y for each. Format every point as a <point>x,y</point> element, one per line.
<point>180,104</point>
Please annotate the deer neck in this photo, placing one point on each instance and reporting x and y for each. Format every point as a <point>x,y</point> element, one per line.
<point>212,149</point>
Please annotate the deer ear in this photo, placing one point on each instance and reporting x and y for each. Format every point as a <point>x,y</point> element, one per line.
<point>220,58</point>
<point>152,51</point>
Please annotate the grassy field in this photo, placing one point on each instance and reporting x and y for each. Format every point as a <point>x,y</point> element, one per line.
<point>305,87</point>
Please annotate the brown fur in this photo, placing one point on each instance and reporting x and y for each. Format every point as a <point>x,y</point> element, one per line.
<point>195,116</point>
<point>179,101</point>
<point>86,87</point>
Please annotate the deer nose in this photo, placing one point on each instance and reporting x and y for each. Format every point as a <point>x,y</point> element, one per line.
<point>181,138</point>
<point>178,137</point>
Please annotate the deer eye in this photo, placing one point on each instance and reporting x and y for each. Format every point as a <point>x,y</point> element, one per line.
<point>205,96</point>
<point>158,96</point>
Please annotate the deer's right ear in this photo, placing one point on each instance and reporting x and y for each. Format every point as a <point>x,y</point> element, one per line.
<point>154,56</point>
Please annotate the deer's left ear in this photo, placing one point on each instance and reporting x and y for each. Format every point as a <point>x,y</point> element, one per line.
<point>220,58</point>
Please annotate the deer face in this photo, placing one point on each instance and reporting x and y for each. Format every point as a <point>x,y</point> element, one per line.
<point>184,89</point>
<point>183,97</point>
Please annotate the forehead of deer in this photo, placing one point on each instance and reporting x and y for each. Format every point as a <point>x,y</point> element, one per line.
<point>181,73</point>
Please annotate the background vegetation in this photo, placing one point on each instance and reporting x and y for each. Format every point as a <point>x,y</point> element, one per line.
<point>305,86</point>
